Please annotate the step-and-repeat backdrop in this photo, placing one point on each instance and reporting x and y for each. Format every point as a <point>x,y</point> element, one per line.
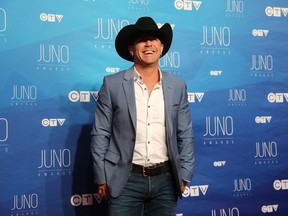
<point>233,56</point>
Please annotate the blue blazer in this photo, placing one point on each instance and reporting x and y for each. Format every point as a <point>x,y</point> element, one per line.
<point>114,129</point>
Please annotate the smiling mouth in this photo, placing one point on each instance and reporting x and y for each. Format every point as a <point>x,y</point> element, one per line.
<point>148,52</point>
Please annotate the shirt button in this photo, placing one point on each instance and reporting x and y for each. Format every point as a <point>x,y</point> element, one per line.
<point>148,124</point>
<point>148,106</point>
<point>148,142</point>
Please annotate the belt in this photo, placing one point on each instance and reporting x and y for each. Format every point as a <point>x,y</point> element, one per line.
<point>153,170</point>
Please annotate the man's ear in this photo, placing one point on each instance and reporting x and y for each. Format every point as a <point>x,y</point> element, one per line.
<point>162,48</point>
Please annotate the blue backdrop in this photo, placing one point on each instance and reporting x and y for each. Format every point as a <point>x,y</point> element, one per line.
<point>233,56</point>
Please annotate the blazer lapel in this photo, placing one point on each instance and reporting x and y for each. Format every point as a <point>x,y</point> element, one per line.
<point>128,86</point>
<point>168,94</point>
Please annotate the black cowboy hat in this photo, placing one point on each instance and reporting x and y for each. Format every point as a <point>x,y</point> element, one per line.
<point>144,25</point>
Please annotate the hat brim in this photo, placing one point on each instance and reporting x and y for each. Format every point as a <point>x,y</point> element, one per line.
<point>128,34</point>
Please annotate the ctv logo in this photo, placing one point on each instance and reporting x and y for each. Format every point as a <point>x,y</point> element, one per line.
<point>260,32</point>
<point>82,96</point>
<point>219,163</point>
<point>85,199</point>
<point>187,5</point>
<point>215,73</point>
<point>277,97</point>
<point>53,122</point>
<point>263,119</point>
<point>269,208</point>
<point>194,191</point>
<point>194,97</point>
<point>276,11</point>
<point>280,184</point>
<point>112,69</point>
<point>51,17</point>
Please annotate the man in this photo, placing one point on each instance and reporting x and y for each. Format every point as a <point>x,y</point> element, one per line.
<point>142,139</point>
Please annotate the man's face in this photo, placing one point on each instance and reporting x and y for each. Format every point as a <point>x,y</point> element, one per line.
<point>146,50</point>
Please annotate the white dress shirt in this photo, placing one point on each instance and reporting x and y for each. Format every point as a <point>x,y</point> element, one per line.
<point>150,145</point>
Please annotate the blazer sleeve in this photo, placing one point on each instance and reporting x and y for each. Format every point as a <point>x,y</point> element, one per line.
<point>101,132</point>
<point>185,137</point>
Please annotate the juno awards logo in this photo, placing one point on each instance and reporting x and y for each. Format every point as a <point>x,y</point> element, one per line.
<point>3,25</point>
<point>24,203</point>
<point>235,8</point>
<point>262,65</point>
<point>266,153</point>
<point>4,133</point>
<point>216,40</point>
<point>55,162</point>
<point>53,57</point>
<point>219,130</point>
<point>139,5</point>
<point>106,31</point>
<point>24,95</point>
<point>2,20</point>
<point>224,211</point>
<point>3,130</point>
<point>237,97</point>
<point>242,187</point>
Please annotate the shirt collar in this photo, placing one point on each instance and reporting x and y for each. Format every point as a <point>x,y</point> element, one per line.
<point>138,77</point>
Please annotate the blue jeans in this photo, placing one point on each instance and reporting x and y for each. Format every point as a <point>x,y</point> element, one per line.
<point>150,196</point>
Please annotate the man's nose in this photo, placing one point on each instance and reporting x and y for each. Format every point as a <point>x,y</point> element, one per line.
<point>148,43</point>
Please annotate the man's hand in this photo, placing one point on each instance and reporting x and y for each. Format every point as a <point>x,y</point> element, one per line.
<point>184,183</point>
<point>103,190</point>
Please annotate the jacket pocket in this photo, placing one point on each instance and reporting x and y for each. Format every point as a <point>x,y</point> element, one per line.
<point>112,157</point>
